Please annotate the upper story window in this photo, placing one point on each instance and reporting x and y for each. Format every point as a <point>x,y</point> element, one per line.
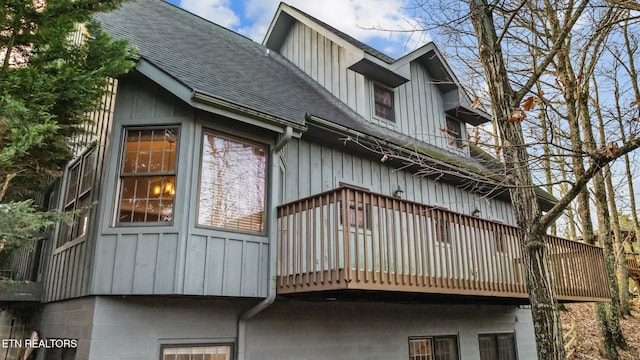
<point>433,348</point>
<point>454,133</point>
<point>148,175</point>
<point>77,197</point>
<point>383,102</point>
<point>232,184</point>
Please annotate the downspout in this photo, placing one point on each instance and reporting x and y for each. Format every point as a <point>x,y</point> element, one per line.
<point>273,234</point>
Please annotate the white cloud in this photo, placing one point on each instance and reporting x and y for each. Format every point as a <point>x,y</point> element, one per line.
<point>217,11</point>
<point>355,17</point>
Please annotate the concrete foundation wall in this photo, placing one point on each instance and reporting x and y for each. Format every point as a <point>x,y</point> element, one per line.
<point>128,328</point>
<point>355,330</point>
<point>69,319</point>
<point>134,328</point>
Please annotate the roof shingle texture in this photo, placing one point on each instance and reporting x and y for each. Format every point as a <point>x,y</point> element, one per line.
<point>214,61</point>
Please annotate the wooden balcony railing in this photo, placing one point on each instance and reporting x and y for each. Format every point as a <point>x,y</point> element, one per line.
<point>348,238</point>
<point>633,265</point>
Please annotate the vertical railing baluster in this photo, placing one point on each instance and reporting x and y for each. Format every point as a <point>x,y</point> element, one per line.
<point>416,245</point>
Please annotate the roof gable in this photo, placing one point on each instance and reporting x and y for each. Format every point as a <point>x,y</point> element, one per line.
<point>380,67</point>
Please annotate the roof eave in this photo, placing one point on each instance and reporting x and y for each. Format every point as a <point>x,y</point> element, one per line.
<point>377,70</point>
<point>220,106</point>
<point>212,104</point>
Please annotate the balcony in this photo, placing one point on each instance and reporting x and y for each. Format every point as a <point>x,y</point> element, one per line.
<point>350,239</point>
<point>633,265</point>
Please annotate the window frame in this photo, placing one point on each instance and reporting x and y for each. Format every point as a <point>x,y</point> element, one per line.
<point>69,233</point>
<point>376,86</point>
<point>432,338</point>
<point>231,346</point>
<point>442,226</point>
<point>454,139</point>
<point>267,167</point>
<point>494,337</point>
<point>121,177</point>
<point>362,212</point>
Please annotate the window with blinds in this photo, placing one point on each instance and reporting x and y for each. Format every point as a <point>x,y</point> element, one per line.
<point>497,346</point>
<point>212,352</point>
<point>232,184</point>
<point>148,175</point>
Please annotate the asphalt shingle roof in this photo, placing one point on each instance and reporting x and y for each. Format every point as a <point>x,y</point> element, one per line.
<point>215,61</point>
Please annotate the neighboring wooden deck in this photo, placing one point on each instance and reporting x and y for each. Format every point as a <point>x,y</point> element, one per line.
<point>633,266</point>
<point>348,238</point>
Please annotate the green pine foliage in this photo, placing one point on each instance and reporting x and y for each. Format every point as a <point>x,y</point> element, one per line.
<point>45,97</point>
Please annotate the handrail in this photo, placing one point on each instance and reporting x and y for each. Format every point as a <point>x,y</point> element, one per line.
<point>349,237</point>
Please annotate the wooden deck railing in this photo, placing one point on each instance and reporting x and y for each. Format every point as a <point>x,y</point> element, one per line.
<point>633,265</point>
<point>348,238</point>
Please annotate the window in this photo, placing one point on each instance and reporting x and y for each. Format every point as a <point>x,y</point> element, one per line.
<point>200,352</point>
<point>454,133</point>
<point>232,184</point>
<point>497,346</point>
<point>433,348</point>
<point>443,229</point>
<point>383,102</point>
<point>77,198</point>
<point>359,215</point>
<point>501,241</point>
<point>148,175</point>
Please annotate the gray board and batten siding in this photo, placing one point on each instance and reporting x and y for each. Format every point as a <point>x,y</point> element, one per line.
<point>185,259</point>
<point>68,266</point>
<point>419,104</point>
<point>312,168</point>
<point>179,258</point>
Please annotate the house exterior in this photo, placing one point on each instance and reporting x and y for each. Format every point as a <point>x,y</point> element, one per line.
<point>252,202</point>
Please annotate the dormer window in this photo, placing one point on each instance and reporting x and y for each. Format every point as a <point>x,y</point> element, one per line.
<point>383,102</point>
<point>454,133</point>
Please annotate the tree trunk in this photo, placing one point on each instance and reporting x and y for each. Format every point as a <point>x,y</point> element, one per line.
<point>542,296</point>
<point>604,224</point>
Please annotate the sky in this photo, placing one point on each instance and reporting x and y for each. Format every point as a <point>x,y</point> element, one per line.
<point>354,17</point>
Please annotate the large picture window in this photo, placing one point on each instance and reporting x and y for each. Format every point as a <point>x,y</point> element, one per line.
<point>77,198</point>
<point>201,352</point>
<point>148,175</point>
<point>433,348</point>
<point>232,184</point>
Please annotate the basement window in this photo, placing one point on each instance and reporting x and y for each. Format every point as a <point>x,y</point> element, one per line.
<point>497,346</point>
<point>197,352</point>
<point>433,348</point>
